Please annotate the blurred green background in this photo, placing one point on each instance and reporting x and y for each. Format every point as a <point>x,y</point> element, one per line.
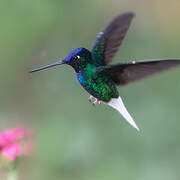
<point>74,140</point>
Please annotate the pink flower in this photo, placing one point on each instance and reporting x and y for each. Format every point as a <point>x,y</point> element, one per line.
<point>11,135</point>
<point>11,151</point>
<point>15,142</point>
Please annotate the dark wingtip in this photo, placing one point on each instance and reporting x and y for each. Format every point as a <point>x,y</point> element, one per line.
<point>130,13</point>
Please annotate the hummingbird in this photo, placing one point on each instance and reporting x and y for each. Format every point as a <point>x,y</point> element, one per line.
<point>99,78</point>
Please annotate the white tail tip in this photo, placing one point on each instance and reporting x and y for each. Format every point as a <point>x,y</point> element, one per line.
<point>118,104</point>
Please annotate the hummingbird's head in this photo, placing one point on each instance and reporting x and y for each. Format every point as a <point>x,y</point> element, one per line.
<point>77,58</point>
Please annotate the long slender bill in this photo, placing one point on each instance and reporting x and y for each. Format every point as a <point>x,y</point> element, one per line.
<point>48,66</point>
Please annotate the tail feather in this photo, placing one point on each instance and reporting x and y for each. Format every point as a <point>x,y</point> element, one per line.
<point>118,104</point>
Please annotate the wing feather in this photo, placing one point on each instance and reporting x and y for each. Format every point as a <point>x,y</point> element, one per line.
<point>108,41</point>
<point>124,73</point>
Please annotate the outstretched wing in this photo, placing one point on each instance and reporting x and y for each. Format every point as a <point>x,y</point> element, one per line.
<point>124,73</point>
<point>108,41</point>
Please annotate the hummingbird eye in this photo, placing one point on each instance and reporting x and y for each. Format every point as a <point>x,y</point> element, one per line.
<point>76,57</point>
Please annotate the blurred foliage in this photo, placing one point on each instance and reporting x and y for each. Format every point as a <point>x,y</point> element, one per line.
<point>75,140</point>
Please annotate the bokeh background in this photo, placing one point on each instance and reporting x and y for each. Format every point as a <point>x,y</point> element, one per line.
<point>73,139</point>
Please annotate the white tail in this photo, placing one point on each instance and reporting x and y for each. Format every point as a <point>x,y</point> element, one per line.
<point>118,104</point>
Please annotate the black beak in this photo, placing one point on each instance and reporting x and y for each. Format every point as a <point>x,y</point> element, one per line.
<point>48,66</point>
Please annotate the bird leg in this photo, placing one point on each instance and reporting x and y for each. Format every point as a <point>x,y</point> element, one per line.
<point>95,102</point>
<point>90,98</point>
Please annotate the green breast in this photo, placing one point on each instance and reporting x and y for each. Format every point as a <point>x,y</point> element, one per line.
<point>100,87</point>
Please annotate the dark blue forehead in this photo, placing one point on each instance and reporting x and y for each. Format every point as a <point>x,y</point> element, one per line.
<point>74,52</point>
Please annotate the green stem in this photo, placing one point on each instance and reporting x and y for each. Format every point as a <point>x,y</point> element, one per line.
<point>13,174</point>
<point>13,171</point>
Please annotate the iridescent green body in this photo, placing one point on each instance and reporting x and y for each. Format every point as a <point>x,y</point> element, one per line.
<point>101,87</point>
